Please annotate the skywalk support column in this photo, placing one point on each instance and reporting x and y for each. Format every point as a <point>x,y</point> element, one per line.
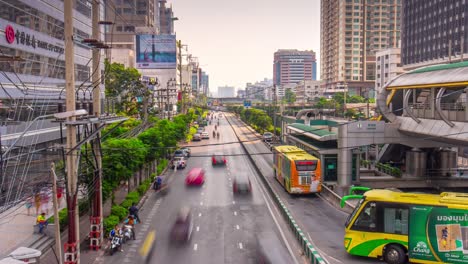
<point>345,161</point>
<point>72,247</point>
<point>96,217</point>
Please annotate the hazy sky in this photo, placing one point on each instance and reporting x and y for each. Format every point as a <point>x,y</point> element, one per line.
<point>235,39</point>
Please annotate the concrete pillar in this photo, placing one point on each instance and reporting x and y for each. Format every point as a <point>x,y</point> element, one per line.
<point>322,168</point>
<point>345,159</point>
<point>432,102</point>
<point>466,103</point>
<point>358,166</point>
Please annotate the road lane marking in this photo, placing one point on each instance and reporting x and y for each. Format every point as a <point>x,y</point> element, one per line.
<point>229,177</point>
<point>240,246</point>
<point>237,226</point>
<point>195,247</point>
<point>202,193</point>
<point>201,203</point>
<point>199,215</point>
<point>233,202</point>
<point>235,212</point>
<point>198,228</point>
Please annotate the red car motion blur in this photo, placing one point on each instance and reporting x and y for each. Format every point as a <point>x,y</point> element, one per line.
<point>196,176</point>
<point>218,159</point>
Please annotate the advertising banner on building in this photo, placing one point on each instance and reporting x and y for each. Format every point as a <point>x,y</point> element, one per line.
<point>438,234</point>
<point>156,51</point>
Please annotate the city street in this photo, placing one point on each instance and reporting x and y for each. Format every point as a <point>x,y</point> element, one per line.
<point>224,225</point>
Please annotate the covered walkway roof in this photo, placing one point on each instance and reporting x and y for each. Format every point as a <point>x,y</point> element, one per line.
<point>444,75</point>
<point>315,132</point>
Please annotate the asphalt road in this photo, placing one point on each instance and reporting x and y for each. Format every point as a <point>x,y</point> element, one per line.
<point>323,223</point>
<point>225,225</point>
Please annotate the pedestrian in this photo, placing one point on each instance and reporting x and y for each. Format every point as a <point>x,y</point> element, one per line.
<point>29,204</point>
<point>37,202</point>
<point>45,201</point>
<point>59,196</point>
<point>41,221</point>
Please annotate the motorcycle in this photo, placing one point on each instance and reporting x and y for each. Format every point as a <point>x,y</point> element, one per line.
<point>128,233</point>
<point>217,135</point>
<point>116,243</point>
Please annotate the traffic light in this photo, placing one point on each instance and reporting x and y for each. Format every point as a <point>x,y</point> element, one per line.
<point>152,81</point>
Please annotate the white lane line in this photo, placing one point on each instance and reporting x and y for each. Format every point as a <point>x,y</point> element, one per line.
<point>195,247</point>
<point>198,228</point>
<point>321,251</point>
<point>235,212</point>
<point>199,215</point>
<point>263,191</point>
<point>240,246</point>
<point>233,202</point>
<point>201,203</point>
<point>237,227</point>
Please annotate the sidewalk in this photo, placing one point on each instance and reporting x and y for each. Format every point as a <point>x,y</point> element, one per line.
<point>16,227</point>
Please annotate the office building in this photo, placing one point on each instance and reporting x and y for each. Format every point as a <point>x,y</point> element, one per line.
<point>205,82</point>
<point>33,31</point>
<point>351,33</point>
<point>307,91</point>
<point>241,93</point>
<point>259,90</point>
<point>293,66</point>
<point>433,32</point>
<point>388,66</point>
<point>226,91</point>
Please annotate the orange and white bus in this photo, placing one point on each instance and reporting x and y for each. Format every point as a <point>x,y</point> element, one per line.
<point>298,171</point>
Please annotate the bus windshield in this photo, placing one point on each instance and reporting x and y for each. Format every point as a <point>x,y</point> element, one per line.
<point>356,209</point>
<point>306,165</point>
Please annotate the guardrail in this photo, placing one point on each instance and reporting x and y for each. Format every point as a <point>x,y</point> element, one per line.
<point>308,248</point>
<point>329,195</point>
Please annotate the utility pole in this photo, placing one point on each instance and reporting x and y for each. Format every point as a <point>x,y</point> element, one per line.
<point>96,219</point>
<point>167,99</point>
<point>275,101</point>
<point>182,89</point>
<point>58,243</point>
<point>72,247</point>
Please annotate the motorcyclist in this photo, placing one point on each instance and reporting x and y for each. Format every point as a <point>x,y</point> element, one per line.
<point>217,135</point>
<point>134,211</point>
<point>216,127</point>
<point>157,183</point>
<point>116,232</point>
<point>214,133</point>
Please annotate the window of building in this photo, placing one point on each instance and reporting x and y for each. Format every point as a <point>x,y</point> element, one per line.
<point>118,28</point>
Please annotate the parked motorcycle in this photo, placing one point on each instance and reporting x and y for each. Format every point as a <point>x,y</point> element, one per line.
<point>128,233</point>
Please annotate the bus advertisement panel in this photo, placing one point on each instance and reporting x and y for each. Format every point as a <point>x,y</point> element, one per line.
<point>426,228</point>
<point>442,237</point>
<point>297,170</point>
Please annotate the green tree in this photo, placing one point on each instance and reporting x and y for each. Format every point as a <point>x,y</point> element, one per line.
<point>124,84</point>
<point>289,96</point>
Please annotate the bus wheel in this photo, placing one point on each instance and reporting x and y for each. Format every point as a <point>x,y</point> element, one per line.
<point>394,254</point>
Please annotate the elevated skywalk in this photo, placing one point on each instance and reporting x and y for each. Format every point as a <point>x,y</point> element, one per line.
<point>429,103</point>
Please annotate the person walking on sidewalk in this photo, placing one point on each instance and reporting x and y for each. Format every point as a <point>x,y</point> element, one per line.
<point>134,211</point>
<point>29,204</point>
<point>41,221</point>
<point>45,201</point>
<point>37,202</point>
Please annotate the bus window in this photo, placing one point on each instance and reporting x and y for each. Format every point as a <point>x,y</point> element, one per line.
<point>367,220</point>
<point>396,220</point>
<point>306,165</point>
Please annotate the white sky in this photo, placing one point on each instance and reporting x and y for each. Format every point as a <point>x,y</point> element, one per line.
<point>235,40</point>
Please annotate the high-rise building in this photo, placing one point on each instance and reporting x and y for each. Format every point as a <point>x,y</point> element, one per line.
<point>226,91</point>
<point>388,66</point>
<point>293,66</point>
<point>166,18</point>
<point>205,82</point>
<point>127,16</point>
<point>306,91</point>
<point>351,33</point>
<point>432,31</point>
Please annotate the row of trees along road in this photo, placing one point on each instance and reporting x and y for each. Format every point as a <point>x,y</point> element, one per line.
<point>256,118</point>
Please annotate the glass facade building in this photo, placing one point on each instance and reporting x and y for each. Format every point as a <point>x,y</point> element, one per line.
<point>433,30</point>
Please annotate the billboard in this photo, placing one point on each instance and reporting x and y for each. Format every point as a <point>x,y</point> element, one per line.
<point>156,51</point>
